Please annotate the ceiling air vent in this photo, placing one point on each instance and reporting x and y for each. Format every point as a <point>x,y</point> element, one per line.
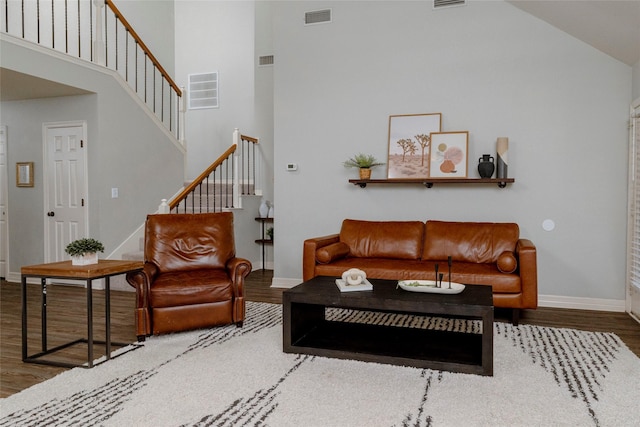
<point>203,90</point>
<point>439,4</point>
<point>317,17</point>
<point>265,60</point>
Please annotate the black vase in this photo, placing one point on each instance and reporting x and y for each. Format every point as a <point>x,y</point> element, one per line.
<point>486,166</point>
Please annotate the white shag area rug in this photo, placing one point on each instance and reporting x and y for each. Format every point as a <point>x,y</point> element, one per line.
<point>230,376</point>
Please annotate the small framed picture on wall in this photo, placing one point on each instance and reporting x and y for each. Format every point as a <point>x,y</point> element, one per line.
<point>448,155</point>
<point>24,174</point>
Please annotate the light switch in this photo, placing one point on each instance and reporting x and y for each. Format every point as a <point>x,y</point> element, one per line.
<point>114,193</point>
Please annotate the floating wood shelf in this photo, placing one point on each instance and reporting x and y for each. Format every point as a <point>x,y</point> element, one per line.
<point>428,182</point>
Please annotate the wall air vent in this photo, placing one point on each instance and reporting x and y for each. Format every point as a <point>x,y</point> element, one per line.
<point>439,4</point>
<point>317,17</point>
<point>265,60</point>
<point>203,90</point>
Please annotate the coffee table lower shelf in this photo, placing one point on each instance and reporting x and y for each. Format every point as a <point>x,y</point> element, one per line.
<point>421,348</point>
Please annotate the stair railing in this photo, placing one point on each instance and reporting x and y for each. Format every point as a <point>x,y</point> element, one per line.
<point>235,173</point>
<point>81,28</point>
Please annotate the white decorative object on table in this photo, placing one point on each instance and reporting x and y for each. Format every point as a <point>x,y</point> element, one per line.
<point>354,280</point>
<point>264,209</point>
<point>86,259</point>
<point>430,286</point>
<point>270,214</point>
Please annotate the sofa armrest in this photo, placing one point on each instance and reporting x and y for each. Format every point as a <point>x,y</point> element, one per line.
<point>527,264</point>
<point>309,253</point>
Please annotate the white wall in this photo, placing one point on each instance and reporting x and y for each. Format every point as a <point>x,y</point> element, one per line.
<point>636,80</point>
<point>489,68</point>
<point>216,36</point>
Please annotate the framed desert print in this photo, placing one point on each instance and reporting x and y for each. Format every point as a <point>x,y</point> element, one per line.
<point>409,139</point>
<point>449,154</point>
<point>24,174</point>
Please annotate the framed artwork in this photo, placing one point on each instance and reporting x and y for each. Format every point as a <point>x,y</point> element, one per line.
<point>449,154</point>
<point>409,139</point>
<point>24,174</point>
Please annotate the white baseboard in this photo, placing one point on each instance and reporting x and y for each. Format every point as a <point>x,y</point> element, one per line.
<point>282,282</point>
<point>580,303</point>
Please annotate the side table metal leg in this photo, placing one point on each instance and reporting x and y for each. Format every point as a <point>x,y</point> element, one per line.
<point>89,323</point>
<point>24,317</point>
<point>107,316</point>
<point>44,313</point>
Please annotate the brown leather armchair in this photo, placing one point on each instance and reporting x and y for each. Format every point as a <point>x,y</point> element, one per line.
<point>191,278</point>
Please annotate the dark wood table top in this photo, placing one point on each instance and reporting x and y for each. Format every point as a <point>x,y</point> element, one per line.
<point>322,290</point>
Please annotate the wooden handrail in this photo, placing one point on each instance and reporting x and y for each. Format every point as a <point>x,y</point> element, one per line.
<point>183,195</point>
<point>249,139</point>
<point>144,47</point>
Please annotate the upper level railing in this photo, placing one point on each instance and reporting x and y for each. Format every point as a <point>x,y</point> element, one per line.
<point>234,173</point>
<point>87,30</point>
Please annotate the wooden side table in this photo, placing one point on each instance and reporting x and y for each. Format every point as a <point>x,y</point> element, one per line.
<point>65,270</point>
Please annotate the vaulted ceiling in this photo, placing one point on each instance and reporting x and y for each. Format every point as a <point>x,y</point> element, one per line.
<point>612,26</point>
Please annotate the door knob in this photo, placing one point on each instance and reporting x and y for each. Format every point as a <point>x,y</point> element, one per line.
<point>52,213</point>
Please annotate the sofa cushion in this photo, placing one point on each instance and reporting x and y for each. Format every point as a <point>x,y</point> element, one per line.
<point>477,242</point>
<point>383,239</point>
<point>332,252</point>
<point>507,262</point>
<point>204,286</point>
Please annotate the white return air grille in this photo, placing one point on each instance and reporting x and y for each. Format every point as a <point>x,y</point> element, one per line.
<point>203,90</point>
<point>317,17</point>
<point>439,4</point>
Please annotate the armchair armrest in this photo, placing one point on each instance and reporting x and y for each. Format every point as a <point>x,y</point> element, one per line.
<point>238,269</point>
<point>309,253</point>
<point>527,264</point>
<point>141,281</point>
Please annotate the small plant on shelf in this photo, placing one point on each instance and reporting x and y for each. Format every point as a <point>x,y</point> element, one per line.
<point>270,233</point>
<point>365,162</point>
<point>84,251</point>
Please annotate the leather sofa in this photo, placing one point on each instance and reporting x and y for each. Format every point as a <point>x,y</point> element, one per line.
<point>482,253</point>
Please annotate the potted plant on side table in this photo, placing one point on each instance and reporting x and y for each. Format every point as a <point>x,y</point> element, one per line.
<point>84,251</point>
<point>364,162</point>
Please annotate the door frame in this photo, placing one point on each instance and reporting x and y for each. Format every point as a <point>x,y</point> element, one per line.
<point>46,168</point>
<point>632,294</point>
<point>5,192</point>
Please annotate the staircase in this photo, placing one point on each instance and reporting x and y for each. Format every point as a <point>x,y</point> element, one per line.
<point>232,182</point>
<point>97,32</point>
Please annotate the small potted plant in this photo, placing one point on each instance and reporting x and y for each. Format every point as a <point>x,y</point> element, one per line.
<point>364,162</point>
<point>84,251</point>
<point>270,233</point>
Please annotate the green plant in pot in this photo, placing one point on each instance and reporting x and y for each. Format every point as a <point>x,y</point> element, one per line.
<point>84,251</point>
<point>270,233</point>
<point>364,162</point>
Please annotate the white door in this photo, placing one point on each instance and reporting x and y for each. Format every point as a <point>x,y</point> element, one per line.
<point>65,187</point>
<point>4,223</point>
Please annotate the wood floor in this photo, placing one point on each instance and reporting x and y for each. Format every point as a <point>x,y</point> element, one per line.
<point>66,322</point>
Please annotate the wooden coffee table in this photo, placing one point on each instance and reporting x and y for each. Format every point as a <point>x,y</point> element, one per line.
<point>307,331</point>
